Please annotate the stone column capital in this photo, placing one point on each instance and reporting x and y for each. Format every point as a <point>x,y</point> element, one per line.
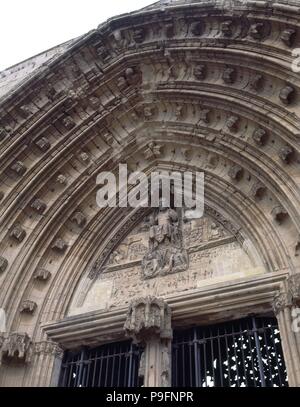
<point>147,317</point>
<point>281,301</point>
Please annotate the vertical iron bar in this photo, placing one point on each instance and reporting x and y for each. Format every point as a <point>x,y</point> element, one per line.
<point>261,370</point>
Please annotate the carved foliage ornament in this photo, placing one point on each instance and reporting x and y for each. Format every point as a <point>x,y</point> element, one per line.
<point>17,346</point>
<point>3,264</point>
<point>147,317</point>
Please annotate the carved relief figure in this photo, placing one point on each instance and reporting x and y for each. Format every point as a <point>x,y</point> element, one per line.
<point>166,253</point>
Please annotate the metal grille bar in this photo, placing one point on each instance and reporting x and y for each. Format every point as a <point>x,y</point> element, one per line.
<point>111,365</point>
<point>242,353</point>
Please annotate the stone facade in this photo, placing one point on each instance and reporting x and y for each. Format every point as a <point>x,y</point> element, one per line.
<point>182,85</point>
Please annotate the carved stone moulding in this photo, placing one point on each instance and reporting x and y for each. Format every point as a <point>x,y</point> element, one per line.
<point>232,123</point>
<point>257,31</point>
<point>197,28</point>
<point>286,154</point>
<point>258,190</point>
<point>288,36</point>
<point>79,218</point>
<point>18,233</point>
<point>3,264</point>
<point>18,168</point>
<point>43,144</point>
<point>47,348</point>
<point>287,94</point>
<point>42,274</point>
<point>139,35</point>
<point>28,307</point>
<point>200,71</point>
<point>279,214</point>
<point>146,317</point>
<point>25,111</point>
<point>257,82</point>
<point>153,150</point>
<point>226,28</point>
<point>236,172</point>
<point>17,346</point>
<point>61,179</point>
<point>39,206</point>
<point>260,136</point>
<point>59,246</point>
<point>68,123</point>
<point>229,75</point>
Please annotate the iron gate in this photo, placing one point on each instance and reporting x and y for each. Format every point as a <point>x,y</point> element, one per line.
<point>112,365</point>
<point>243,353</point>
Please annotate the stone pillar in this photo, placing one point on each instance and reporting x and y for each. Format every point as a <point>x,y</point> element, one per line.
<point>286,306</point>
<point>148,323</point>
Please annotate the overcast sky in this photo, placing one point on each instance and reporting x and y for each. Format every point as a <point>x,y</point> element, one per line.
<point>29,27</point>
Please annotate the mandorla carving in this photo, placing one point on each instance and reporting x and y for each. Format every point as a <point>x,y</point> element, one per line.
<point>166,254</point>
<point>146,317</point>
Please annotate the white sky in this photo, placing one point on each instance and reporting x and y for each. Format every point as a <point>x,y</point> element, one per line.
<point>29,27</point>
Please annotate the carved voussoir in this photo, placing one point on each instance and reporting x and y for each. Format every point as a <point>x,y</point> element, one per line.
<point>286,154</point>
<point>257,82</point>
<point>260,136</point>
<point>236,172</point>
<point>288,36</point>
<point>139,35</point>
<point>43,144</point>
<point>28,307</point>
<point>39,206</point>
<point>79,218</point>
<point>200,71</point>
<point>287,94</point>
<point>18,168</point>
<point>3,264</point>
<point>18,233</point>
<point>197,28</point>
<point>152,150</point>
<point>257,31</point>
<point>232,123</point>
<point>68,123</point>
<point>59,246</point>
<point>61,179</point>
<point>279,214</point>
<point>42,274</point>
<point>257,190</point>
<point>226,28</point>
<point>229,75</point>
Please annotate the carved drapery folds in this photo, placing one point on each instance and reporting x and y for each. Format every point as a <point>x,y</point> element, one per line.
<point>166,253</point>
<point>148,323</point>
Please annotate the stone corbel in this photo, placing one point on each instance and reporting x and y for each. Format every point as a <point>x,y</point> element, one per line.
<point>148,323</point>
<point>17,346</point>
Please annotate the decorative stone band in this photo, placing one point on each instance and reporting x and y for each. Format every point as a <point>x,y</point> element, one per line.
<point>18,346</point>
<point>290,296</point>
<point>148,317</point>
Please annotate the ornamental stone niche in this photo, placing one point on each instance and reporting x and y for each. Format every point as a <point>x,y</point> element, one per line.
<point>148,323</point>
